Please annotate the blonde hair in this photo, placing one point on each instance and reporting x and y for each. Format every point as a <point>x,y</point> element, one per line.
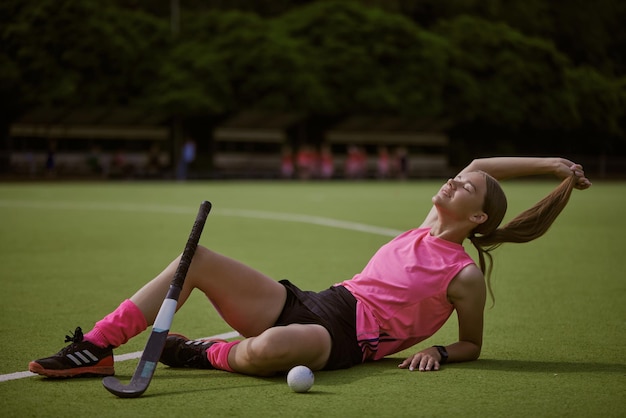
<point>525,227</point>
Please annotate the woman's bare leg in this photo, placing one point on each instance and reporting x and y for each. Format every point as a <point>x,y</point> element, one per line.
<point>281,348</point>
<point>249,301</point>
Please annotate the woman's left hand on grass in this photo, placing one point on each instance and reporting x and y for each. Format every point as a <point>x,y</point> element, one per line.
<point>424,361</point>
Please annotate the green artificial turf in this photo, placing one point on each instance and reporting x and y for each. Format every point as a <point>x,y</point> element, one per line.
<point>555,341</point>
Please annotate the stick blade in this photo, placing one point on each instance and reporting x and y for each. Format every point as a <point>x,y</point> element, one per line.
<point>143,373</point>
<point>133,390</point>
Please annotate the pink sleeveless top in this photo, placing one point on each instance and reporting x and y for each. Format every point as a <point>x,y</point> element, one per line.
<point>402,292</point>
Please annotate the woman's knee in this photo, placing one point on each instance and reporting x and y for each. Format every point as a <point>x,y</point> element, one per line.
<point>202,254</point>
<point>200,264</point>
<point>267,348</point>
<point>287,346</point>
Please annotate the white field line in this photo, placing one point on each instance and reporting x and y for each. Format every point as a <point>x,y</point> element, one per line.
<point>243,213</point>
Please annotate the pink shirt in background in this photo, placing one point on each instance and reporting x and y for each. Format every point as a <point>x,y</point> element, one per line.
<point>402,292</point>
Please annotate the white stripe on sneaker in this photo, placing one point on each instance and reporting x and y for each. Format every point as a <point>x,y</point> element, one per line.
<point>196,342</point>
<point>90,355</point>
<point>74,359</point>
<point>82,359</point>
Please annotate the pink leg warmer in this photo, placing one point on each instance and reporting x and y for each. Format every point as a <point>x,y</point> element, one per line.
<point>118,327</point>
<point>218,355</point>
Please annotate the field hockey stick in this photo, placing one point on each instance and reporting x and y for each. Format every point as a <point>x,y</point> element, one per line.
<point>154,347</point>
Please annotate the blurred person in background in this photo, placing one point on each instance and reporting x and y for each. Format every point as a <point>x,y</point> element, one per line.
<point>187,156</point>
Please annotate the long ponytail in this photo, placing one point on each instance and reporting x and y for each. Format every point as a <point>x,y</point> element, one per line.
<point>525,227</point>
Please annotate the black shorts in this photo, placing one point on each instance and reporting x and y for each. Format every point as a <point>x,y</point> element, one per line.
<point>335,310</point>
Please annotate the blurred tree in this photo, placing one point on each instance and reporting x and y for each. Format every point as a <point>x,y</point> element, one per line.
<point>327,58</point>
<point>592,34</point>
<point>190,80</point>
<point>225,61</point>
<point>265,69</point>
<point>461,62</point>
<point>263,8</point>
<point>76,52</point>
<point>369,60</point>
<point>600,101</point>
<point>509,79</point>
<point>589,33</point>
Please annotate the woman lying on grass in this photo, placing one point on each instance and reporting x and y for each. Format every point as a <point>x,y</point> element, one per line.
<point>405,293</point>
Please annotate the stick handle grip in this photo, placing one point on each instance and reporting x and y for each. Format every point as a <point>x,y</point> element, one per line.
<point>190,247</point>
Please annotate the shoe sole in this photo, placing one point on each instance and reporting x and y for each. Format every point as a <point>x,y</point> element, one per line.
<point>94,371</point>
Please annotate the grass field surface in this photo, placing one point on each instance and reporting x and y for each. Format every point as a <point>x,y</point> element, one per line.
<point>555,341</point>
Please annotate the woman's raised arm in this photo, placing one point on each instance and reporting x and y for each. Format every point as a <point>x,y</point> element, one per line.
<point>509,167</point>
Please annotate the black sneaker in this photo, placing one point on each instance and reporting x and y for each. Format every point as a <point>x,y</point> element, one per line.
<point>180,351</point>
<point>81,358</point>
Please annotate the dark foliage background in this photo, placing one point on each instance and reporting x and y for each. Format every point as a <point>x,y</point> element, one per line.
<point>525,76</point>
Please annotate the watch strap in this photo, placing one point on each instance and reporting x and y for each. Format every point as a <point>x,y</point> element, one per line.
<point>443,353</point>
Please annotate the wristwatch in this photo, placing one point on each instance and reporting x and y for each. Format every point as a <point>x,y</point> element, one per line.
<point>443,353</point>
